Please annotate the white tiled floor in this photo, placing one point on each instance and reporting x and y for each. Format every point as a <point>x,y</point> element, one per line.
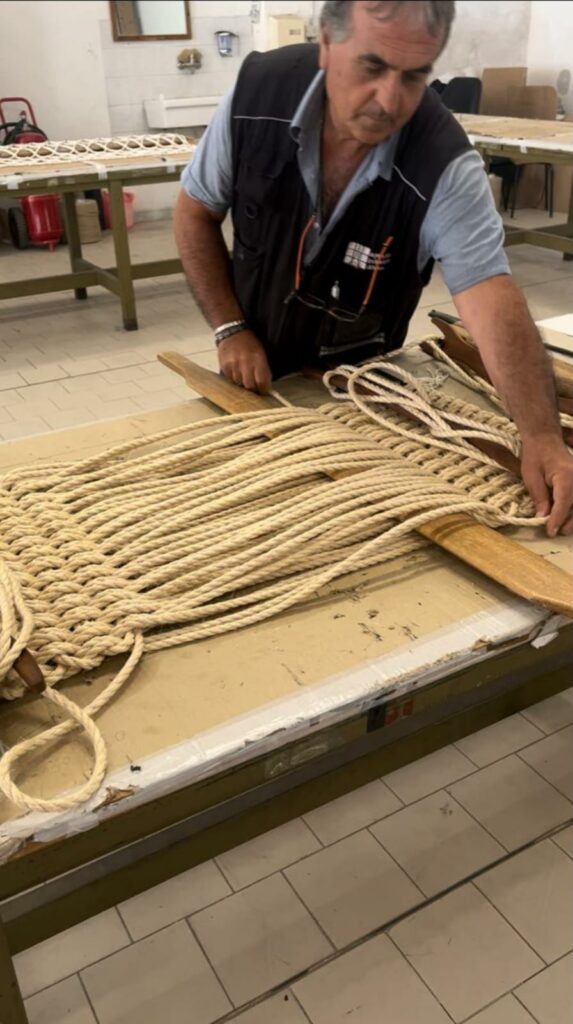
<point>441,893</point>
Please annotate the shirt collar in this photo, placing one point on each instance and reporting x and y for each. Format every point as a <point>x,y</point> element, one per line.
<point>308,117</point>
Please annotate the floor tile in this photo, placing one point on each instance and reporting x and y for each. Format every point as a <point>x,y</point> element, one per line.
<point>552,757</point>
<point>553,713</point>
<point>504,1011</point>
<point>10,380</point>
<point>549,996</point>
<point>552,298</point>
<point>157,979</point>
<point>499,740</point>
<point>534,891</point>
<point>437,842</point>
<point>281,1009</point>
<point>259,938</point>
<point>39,374</point>
<point>512,802</point>
<point>564,839</point>
<point>353,887</point>
<point>267,853</point>
<point>174,899</point>
<point>465,951</point>
<point>349,813</point>
<point>10,398</point>
<point>372,984</point>
<point>64,1002</point>
<point>24,428</point>
<point>429,774</point>
<point>68,952</point>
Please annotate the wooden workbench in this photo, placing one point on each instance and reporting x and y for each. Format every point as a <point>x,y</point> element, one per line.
<point>214,742</point>
<point>73,177</point>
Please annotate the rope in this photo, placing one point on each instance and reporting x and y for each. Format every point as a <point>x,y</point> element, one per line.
<point>40,153</point>
<point>217,525</point>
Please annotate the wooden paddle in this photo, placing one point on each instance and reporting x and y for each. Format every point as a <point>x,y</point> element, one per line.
<point>513,566</point>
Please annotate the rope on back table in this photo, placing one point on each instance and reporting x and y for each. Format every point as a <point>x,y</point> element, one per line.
<point>72,150</point>
<point>217,525</point>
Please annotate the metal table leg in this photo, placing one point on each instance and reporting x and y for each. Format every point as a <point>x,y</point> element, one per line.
<point>569,255</point>
<point>122,257</point>
<point>73,238</point>
<point>11,1004</point>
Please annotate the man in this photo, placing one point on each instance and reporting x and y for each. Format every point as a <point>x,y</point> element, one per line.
<point>347,178</point>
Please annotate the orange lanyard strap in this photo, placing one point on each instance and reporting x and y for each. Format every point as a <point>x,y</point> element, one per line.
<point>298,275</point>
<point>377,268</point>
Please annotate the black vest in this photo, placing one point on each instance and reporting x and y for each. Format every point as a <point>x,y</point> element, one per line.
<point>271,207</point>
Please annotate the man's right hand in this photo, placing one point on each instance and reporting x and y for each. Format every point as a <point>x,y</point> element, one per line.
<point>243,360</point>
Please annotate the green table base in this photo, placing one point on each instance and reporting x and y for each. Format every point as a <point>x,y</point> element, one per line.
<point>84,274</point>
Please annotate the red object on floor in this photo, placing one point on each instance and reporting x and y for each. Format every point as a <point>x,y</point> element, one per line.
<point>128,205</point>
<point>43,220</point>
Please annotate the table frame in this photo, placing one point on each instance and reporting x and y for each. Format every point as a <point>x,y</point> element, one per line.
<point>558,237</point>
<point>83,273</point>
<point>47,888</point>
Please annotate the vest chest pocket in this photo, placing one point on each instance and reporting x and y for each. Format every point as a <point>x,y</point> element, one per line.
<point>257,200</point>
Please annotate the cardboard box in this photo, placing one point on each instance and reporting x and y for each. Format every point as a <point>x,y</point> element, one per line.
<point>496,83</point>
<point>286,29</point>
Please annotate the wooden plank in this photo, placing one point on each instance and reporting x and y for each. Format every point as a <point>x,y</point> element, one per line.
<point>522,571</point>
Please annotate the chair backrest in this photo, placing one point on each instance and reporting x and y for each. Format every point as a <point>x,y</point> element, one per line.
<point>462,95</point>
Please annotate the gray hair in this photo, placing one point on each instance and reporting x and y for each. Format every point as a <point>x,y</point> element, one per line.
<point>336,15</point>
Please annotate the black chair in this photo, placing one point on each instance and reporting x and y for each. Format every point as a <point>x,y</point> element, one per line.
<point>510,173</point>
<point>462,95</point>
<point>437,85</point>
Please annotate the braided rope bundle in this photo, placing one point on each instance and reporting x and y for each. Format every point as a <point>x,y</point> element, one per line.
<point>220,524</point>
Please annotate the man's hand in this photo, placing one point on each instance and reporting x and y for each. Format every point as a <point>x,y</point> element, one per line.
<point>495,314</point>
<point>547,470</point>
<point>243,360</point>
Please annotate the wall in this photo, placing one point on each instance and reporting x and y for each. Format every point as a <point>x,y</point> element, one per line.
<point>50,53</point>
<point>550,47</point>
<point>135,72</point>
<point>138,71</point>
<point>488,33</point>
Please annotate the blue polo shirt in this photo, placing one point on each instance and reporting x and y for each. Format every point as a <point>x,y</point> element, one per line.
<point>461,230</point>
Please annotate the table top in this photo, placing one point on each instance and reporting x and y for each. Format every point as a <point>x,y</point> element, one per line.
<point>191,710</point>
<point>521,131</point>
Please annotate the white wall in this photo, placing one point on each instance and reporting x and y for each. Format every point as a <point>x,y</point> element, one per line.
<point>138,71</point>
<point>487,33</point>
<point>50,53</point>
<point>550,47</point>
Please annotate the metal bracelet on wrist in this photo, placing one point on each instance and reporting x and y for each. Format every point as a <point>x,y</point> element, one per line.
<point>228,330</point>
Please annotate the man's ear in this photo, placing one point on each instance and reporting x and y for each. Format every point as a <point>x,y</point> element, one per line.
<point>324,48</point>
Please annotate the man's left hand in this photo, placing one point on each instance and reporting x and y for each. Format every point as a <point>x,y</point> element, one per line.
<point>547,470</point>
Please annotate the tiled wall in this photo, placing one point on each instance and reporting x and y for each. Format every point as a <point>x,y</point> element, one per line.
<point>135,72</point>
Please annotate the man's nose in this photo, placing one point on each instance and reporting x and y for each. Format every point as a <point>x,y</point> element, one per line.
<point>389,93</point>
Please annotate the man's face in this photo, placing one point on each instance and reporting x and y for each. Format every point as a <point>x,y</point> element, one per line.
<point>375,78</point>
